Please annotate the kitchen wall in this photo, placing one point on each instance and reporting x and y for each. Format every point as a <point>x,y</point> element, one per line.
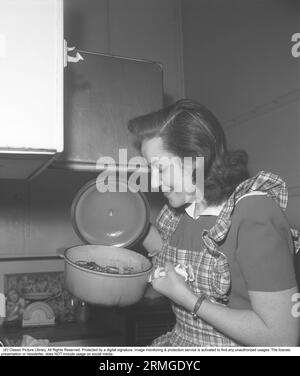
<point>238,62</point>
<point>35,216</point>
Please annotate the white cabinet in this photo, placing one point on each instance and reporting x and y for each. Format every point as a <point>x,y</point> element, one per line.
<point>31,85</point>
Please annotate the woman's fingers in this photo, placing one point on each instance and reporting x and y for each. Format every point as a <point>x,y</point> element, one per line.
<point>161,272</point>
<point>157,273</point>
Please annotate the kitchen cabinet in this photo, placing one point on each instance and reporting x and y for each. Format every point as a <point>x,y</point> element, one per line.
<point>31,72</point>
<point>150,30</point>
<point>142,29</point>
<point>31,90</point>
<point>103,92</point>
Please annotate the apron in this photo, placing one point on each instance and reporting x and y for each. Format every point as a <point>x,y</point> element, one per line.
<point>210,267</point>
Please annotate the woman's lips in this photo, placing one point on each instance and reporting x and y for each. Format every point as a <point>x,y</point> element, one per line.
<point>168,194</point>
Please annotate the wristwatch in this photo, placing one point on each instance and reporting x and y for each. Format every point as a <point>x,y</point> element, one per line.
<point>198,305</point>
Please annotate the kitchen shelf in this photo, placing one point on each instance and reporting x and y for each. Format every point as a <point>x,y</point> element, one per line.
<point>136,325</point>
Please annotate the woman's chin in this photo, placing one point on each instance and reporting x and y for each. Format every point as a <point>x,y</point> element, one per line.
<point>175,203</point>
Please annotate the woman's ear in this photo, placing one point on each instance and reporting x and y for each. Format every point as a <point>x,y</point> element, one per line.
<point>198,173</point>
<point>199,164</point>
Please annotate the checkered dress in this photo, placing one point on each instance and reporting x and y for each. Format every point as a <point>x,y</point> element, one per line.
<point>210,266</point>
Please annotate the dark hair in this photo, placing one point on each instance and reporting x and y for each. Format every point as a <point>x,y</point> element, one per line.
<point>189,129</point>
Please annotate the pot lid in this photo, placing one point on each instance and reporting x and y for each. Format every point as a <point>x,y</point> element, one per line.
<point>117,218</point>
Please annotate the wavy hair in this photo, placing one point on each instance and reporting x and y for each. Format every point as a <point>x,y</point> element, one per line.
<point>189,129</point>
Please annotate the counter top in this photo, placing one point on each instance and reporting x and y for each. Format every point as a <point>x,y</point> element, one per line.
<point>58,332</point>
<point>106,323</point>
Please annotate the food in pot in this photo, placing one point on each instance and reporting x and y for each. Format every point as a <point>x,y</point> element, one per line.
<point>108,289</point>
<point>91,265</point>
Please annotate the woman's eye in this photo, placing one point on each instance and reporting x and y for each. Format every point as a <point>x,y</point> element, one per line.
<point>163,170</point>
<point>160,169</point>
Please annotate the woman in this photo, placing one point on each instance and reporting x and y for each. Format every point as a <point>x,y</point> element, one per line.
<point>230,235</point>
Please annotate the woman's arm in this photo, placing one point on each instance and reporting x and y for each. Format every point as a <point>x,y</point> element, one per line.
<point>153,242</point>
<point>269,323</point>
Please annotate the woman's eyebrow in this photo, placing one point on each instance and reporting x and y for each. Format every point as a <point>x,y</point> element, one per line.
<point>157,164</point>
<point>160,160</point>
<point>154,162</point>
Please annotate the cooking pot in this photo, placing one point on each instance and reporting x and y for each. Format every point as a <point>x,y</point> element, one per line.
<point>106,288</point>
<point>109,222</point>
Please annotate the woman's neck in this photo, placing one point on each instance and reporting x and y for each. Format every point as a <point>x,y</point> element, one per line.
<point>202,208</point>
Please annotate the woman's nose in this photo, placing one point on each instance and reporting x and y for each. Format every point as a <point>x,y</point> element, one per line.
<point>155,180</point>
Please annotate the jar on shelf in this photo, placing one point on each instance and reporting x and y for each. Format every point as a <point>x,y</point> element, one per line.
<point>81,311</point>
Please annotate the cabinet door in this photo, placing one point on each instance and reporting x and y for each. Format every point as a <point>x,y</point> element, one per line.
<point>31,89</point>
<point>102,93</point>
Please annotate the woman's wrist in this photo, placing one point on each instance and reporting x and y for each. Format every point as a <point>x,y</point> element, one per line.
<point>198,305</point>
<point>193,303</point>
<point>190,299</point>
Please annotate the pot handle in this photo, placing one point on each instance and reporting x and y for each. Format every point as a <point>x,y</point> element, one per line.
<point>61,252</point>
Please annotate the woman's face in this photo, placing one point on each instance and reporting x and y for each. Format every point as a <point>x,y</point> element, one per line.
<point>169,173</point>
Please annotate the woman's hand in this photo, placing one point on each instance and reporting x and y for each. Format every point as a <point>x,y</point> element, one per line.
<point>174,287</point>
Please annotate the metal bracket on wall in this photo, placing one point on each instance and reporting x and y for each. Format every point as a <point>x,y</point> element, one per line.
<point>68,58</point>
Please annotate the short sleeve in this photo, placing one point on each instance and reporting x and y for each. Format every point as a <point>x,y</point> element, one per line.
<point>264,245</point>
